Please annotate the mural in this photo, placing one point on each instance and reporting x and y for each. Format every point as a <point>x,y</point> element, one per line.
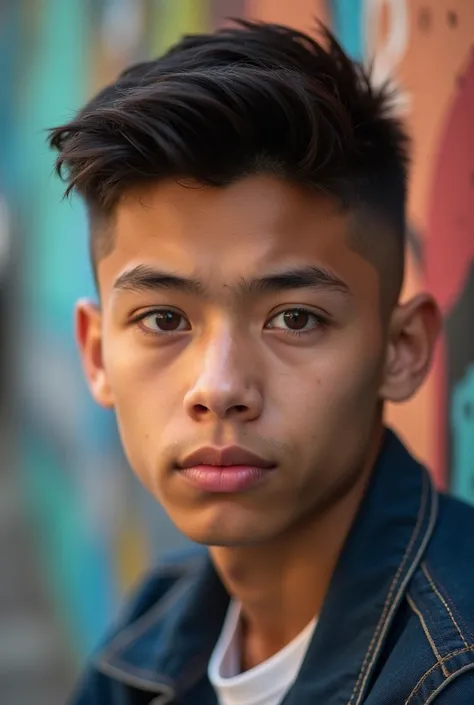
<point>432,54</point>
<point>97,529</point>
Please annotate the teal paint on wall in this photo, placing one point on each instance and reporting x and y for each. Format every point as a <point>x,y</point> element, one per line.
<point>55,273</point>
<point>462,415</point>
<point>54,86</point>
<point>348,24</point>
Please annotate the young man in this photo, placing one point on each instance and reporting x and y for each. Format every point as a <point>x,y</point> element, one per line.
<point>246,195</point>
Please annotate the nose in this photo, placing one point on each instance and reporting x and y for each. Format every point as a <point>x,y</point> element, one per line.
<point>226,385</point>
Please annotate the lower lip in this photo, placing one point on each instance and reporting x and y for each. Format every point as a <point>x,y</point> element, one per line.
<point>224,479</point>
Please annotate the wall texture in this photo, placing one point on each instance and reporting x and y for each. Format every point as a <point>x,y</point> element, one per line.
<point>96,529</point>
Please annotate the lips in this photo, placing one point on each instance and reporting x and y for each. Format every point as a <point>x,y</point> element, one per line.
<point>225,470</point>
<point>225,457</point>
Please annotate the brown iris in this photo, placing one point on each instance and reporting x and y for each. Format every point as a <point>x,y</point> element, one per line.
<point>296,319</point>
<point>167,320</point>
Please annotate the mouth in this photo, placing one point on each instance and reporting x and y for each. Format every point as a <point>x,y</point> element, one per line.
<point>225,470</point>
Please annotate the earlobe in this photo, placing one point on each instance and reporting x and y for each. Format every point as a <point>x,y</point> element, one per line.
<point>414,330</point>
<point>88,329</point>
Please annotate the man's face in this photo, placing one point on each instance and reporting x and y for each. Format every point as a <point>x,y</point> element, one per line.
<point>237,316</point>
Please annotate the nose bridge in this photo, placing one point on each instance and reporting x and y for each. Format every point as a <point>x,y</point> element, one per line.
<point>220,349</point>
<point>223,366</point>
<point>225,379</point>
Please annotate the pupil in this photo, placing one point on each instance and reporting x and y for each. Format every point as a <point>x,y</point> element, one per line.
<point>296,320</point>
<point>167,320</point>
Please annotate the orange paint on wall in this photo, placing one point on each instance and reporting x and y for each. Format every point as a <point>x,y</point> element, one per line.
<point>439,41</point>
<point>435,56</point>
<point>301,14</point>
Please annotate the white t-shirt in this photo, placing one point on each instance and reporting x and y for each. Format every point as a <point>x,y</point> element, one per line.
<point>267,683</point>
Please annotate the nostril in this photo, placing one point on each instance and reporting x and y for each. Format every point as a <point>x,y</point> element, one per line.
<point>200,409</point>
<point>240,408</point>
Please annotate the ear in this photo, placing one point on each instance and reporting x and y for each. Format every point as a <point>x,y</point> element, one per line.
<point>414,329</point>
<point>88,329</point>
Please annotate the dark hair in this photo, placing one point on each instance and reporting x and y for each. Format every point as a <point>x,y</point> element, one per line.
<point>244,100</point>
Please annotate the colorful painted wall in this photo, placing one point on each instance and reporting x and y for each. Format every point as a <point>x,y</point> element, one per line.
<point>96,527</point>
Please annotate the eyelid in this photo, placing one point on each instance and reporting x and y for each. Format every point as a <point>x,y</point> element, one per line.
<point>321,315</point>
<point>141,314</point>
<point>292,306</point>
<point>138,319</point>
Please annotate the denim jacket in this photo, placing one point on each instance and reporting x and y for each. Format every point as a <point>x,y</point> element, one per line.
<point>396,627</point>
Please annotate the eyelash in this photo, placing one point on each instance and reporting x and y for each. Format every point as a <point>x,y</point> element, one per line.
<point>136,320</point>
<point>320,320</point>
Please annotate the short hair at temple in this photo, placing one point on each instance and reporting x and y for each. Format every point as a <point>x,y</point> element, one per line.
<point>249,99</point>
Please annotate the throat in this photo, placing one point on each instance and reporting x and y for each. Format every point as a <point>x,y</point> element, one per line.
<point>278,595</point>
<point>254,649</point>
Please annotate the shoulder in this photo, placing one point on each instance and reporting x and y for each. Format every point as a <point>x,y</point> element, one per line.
<point>450,553</point>
<point>106,680</point>
<point>448,565</point>
<point>454,515</point>
<point>441,596</point>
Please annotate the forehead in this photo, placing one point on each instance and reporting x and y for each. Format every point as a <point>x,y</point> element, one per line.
<point>223,233</point>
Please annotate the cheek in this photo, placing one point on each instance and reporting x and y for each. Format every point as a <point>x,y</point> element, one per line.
<point>143,398</point>
<point>352,378</point>
<point>338,382</point>
<point>137,375</point>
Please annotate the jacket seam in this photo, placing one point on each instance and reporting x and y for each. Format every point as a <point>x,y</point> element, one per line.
<point>415,609</point>
<point>430,579</point>
<point>453,676</point>
<point>123,639</point>
<point>137,681</point>
<point>163,699</point>
<point>365,668</point>
<point>417,687</point>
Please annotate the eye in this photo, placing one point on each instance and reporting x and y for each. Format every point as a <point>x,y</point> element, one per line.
<point>163,321</point>
<point>296,320</point>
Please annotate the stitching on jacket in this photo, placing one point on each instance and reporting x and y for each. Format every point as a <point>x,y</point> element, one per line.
<point>415,609</point>
<point>392,589</point>
<point>444,601</point>
<point>425,570</point>
<point>417,687</point>
<point>137,681</point>
<point>408,575</point>
<point>129,634</point>
<point>435,693</point>
<point>450,601</point>
<point>435,630</point>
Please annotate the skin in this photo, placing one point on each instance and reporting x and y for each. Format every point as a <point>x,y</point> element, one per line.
<point>236,373</point>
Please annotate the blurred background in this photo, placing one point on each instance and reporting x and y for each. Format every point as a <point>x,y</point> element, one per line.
<point>75,527</point>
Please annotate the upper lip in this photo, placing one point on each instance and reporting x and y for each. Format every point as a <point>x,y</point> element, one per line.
<point>232,455</point>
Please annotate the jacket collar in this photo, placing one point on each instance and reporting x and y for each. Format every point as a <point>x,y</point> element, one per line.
<point>168,649</point>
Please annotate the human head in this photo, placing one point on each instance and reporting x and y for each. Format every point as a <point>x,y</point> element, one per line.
<point>216,179</point>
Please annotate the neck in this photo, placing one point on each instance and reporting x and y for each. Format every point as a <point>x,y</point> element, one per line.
<point>282,583</point>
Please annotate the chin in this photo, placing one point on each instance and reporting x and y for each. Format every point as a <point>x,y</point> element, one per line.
<point>228,528</point>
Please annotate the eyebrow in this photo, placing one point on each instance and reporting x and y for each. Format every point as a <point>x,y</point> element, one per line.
<point>145,278</point>
<point>306,277</point>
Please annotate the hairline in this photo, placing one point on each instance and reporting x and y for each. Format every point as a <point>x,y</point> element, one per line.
<point>363,220</point>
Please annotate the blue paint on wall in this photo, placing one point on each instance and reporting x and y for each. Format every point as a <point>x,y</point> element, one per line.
<point>58,446</point>
<point>348,25</point>
<point>462,424</point>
